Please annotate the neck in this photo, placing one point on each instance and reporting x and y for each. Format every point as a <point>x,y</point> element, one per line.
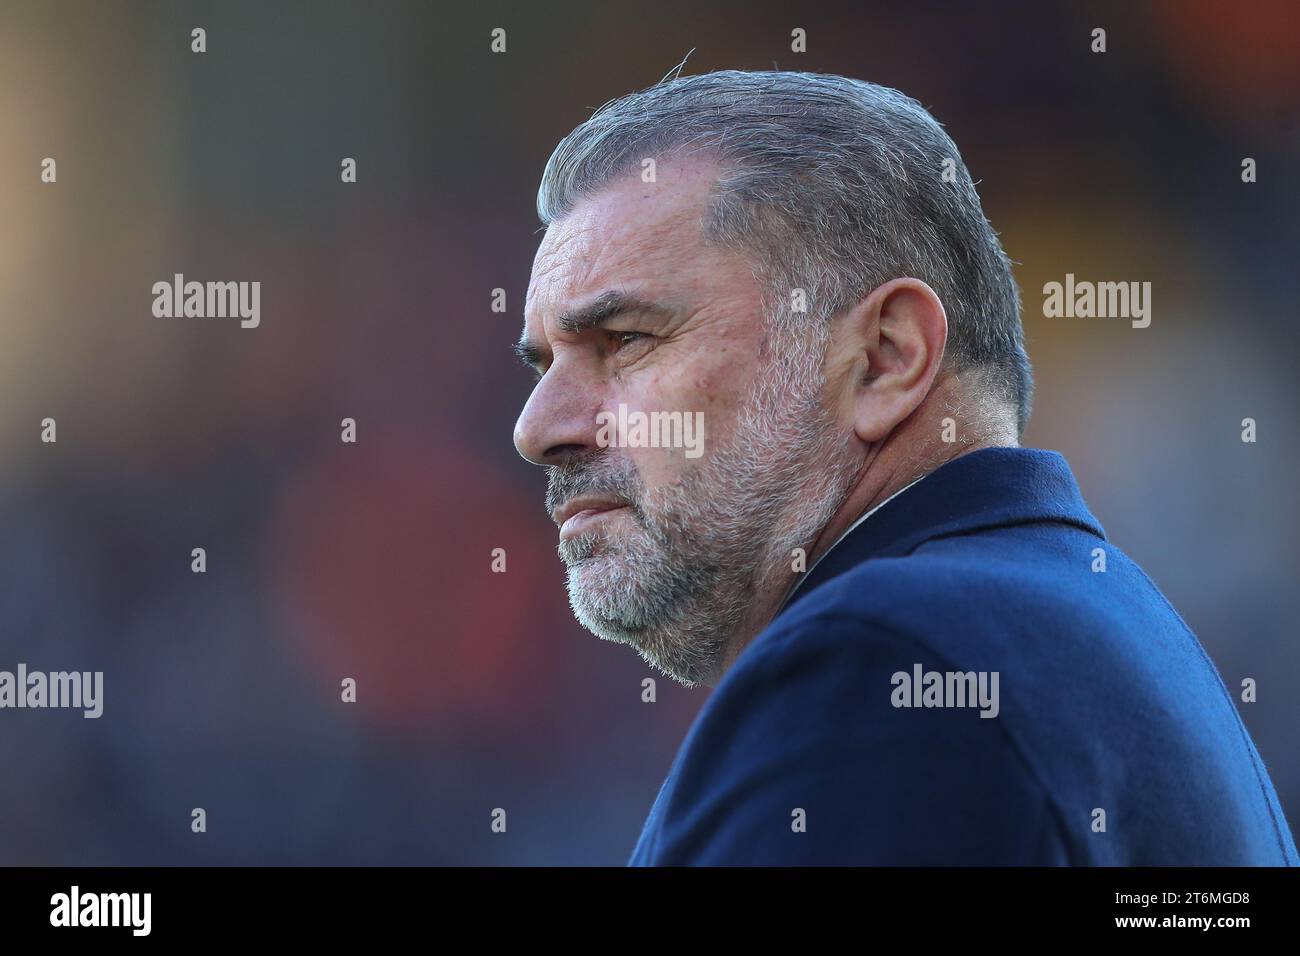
<point>912,450</point>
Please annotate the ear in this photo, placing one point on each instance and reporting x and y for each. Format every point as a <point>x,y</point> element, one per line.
<point>897,335</point>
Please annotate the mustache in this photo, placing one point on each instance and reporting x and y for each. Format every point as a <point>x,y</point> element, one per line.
<point>599,473</point>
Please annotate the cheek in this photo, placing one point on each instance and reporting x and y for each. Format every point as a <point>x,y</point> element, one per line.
<point>718,393</point>
<point>703,408</point>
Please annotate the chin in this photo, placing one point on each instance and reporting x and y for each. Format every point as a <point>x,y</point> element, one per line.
<point>603,626</point>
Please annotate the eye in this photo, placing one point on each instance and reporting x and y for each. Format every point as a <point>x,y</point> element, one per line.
<point>627,338</point>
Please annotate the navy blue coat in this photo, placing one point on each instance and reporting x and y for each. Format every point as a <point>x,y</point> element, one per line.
<point>1115,742</point>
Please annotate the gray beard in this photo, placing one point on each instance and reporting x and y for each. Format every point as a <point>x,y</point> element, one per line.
<point>682,584</point>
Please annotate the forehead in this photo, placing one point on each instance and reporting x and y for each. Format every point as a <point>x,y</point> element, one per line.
<point>631,235</point>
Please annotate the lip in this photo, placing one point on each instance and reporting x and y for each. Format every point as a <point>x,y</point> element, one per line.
<point>580,511</point>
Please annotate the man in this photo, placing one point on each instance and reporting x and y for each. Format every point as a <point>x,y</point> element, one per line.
<point>924,648</point>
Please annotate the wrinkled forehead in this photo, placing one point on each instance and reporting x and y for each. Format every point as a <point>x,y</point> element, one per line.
<point>638,236</point>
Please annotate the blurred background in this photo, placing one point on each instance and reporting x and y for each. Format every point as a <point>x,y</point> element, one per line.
<point>373,561</point>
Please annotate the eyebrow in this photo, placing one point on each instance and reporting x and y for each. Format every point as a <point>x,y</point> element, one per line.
<point>604,307</point>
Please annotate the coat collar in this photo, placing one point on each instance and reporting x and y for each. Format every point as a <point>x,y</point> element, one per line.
<point>988,488</point>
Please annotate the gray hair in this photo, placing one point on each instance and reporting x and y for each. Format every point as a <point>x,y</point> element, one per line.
<point>831,185</point>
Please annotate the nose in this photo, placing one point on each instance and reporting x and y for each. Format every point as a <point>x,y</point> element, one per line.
<point>558,421</point>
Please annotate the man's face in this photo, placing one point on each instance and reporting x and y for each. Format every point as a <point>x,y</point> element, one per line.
<point>629,305</point>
